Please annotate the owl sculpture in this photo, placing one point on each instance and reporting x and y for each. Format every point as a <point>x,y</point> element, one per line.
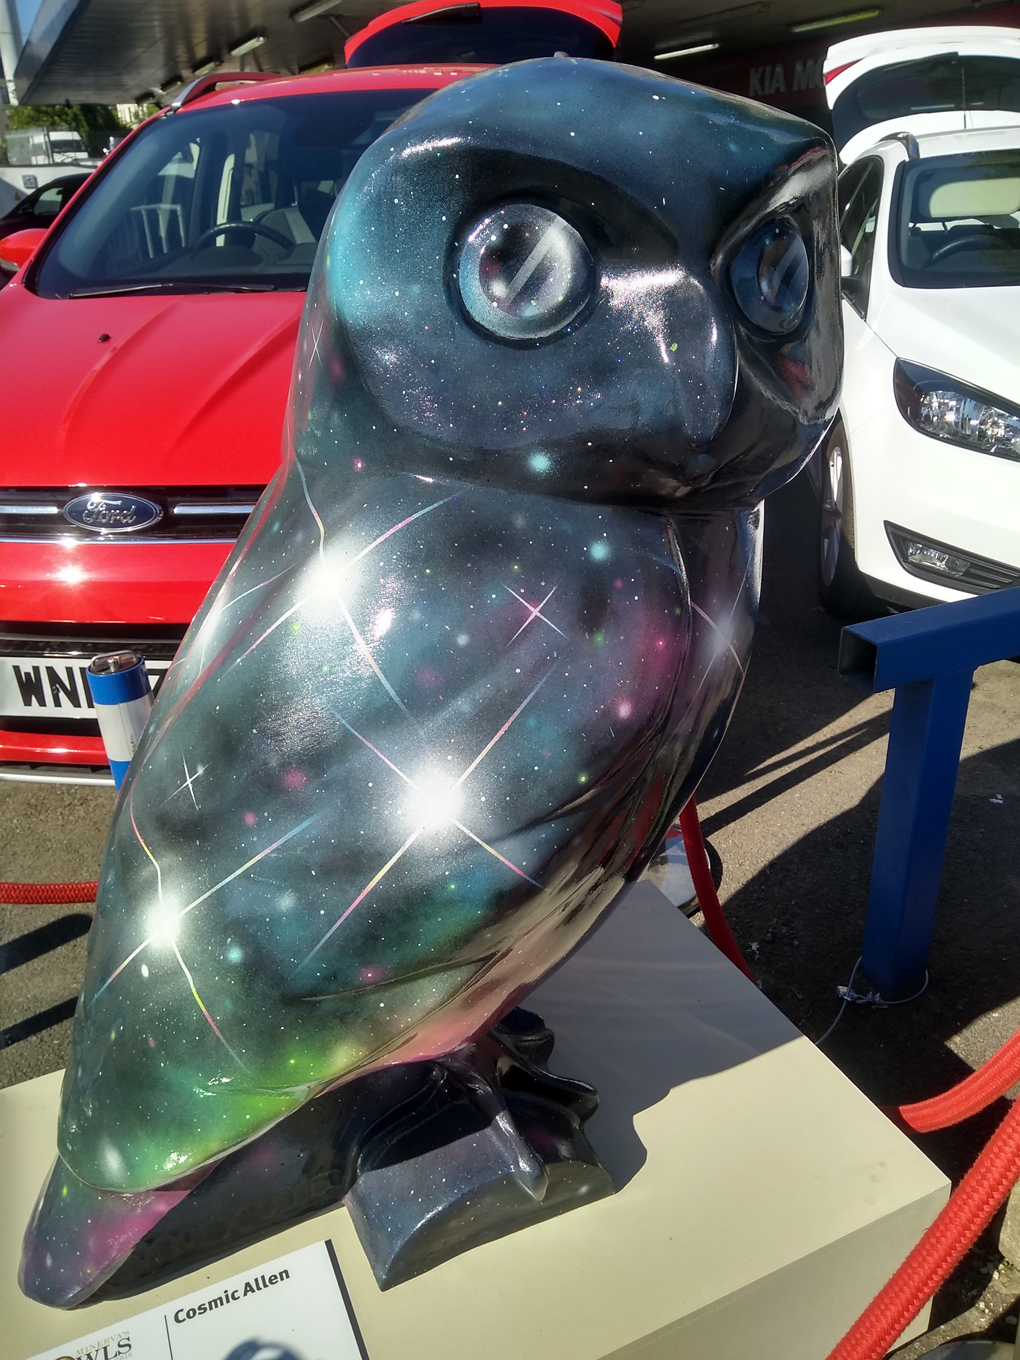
<point>569,323</point>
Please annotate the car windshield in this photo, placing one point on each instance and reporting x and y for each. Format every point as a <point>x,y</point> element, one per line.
<point>231,197</point>
<point>956,221</point>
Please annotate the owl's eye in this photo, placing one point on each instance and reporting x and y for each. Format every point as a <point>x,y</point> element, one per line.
<point>524,272</point>
<point>771,275</point>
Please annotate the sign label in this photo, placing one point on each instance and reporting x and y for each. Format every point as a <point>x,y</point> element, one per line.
<point>294,1308</point>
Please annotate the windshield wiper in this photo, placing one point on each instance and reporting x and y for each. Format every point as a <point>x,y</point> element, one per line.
<point>176,286</point>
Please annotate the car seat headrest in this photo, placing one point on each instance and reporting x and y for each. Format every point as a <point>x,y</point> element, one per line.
<point>973,196</point>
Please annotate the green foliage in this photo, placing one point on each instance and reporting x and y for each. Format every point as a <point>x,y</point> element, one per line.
<point>92,122</point>
<point>80,118</point>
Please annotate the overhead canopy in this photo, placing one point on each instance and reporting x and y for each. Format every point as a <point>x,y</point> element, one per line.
<point>119,51</point>
<point>115,51</point>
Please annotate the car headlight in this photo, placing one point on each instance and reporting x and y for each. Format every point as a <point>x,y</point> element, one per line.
<point>945,408</point>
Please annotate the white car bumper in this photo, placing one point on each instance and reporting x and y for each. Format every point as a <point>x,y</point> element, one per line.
<point>955,503</point>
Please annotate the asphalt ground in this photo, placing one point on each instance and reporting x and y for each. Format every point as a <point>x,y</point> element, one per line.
<point>791,806</point>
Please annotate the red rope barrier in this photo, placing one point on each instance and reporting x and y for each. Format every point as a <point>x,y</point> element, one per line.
<point>38,894</point>
<point>697,861</point>
<point>976,1092</point>
<point>942,1247</point>
<point>964,1218</point>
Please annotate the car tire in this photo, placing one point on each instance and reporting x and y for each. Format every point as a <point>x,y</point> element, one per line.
<point>842,589</point>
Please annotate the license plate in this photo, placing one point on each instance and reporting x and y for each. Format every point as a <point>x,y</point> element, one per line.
<point>53,686</point>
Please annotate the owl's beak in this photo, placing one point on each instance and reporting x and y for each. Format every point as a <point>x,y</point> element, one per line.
<point>684,323</point>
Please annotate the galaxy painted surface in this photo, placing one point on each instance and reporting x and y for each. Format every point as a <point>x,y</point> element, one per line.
<point>569,322</point>
<point>79,1235</point>
<point>445,709</point>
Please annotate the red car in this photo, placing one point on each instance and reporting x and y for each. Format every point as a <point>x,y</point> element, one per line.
<point>148,345</point>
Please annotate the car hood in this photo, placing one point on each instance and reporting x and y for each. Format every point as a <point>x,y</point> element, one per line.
<point>968,333</point>
<point>145,391</point>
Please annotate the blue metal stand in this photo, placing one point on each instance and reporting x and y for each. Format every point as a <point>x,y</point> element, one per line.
<point>929,658</point>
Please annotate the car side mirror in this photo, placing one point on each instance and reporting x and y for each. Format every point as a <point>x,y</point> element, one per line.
<point>846,263</point>
<point>19,247</point>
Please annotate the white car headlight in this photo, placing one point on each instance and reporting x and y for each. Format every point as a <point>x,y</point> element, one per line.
<point>946,409</point>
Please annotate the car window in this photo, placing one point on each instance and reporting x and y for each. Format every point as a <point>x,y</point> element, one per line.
<point>860,190</point>
<point>937,84</point>
<point>234,196</point>
<point>847,185</point>
<point>957,221</point>
<point>51,200</point>
<point>27,205</point>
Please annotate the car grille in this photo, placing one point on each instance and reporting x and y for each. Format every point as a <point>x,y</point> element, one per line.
<point>189,514</point>
<point>961,569</point>
<point>158,641</point>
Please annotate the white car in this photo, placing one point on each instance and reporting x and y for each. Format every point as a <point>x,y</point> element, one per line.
<point>920,478</point>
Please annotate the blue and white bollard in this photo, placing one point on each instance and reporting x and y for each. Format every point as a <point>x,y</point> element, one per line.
<point>123,698</point>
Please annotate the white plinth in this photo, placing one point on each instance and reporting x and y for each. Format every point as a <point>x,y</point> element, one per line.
<point>762,1200</point>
